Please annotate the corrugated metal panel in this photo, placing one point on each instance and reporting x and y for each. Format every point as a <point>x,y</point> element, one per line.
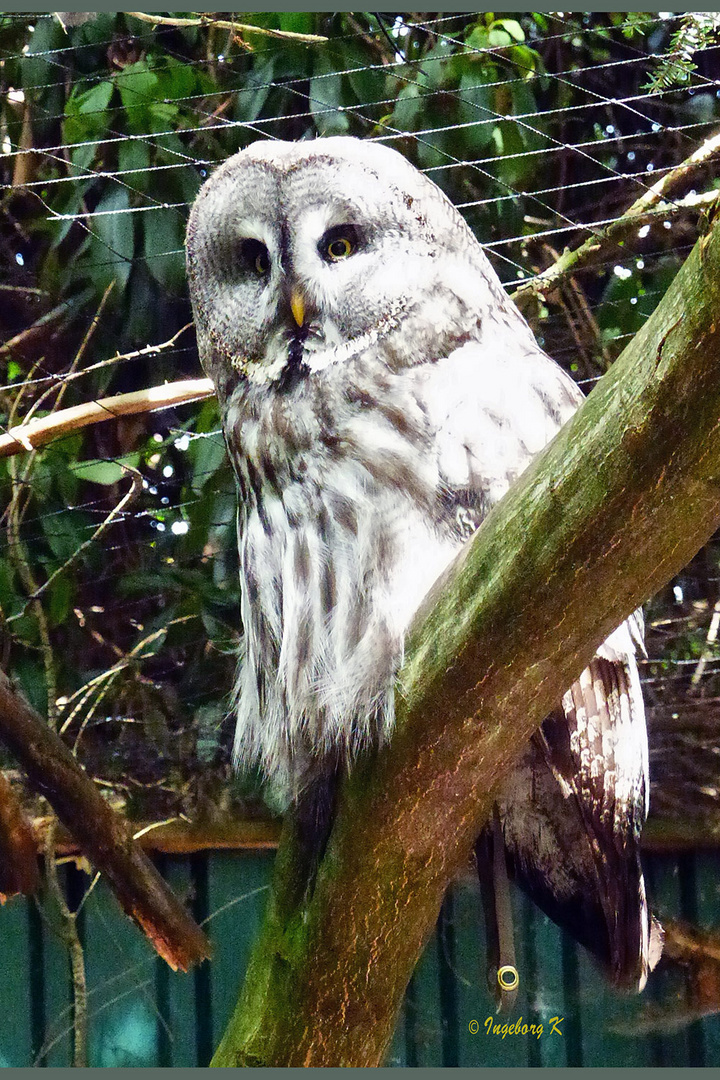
<point>143,1014</point>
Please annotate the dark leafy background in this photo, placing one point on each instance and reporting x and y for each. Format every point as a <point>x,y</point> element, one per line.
<point>539,127</point>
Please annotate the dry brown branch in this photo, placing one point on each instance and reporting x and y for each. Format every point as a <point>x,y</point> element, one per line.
<point>40,431</point>
<point>180,837</point>
<point>103,835</point>
<point>18,855</point>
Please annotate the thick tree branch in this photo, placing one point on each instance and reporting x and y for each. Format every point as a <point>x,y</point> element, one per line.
<point>18,853</point>
<point>104,836</point>
<point>611,509</point>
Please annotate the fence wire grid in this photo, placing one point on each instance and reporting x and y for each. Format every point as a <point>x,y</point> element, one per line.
<point>118,564</point>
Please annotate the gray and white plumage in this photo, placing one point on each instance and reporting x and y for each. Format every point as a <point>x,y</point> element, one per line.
<point>379,393</point>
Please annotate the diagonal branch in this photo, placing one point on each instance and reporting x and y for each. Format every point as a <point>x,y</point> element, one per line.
<point>652,203</point>
<point>226,24</point>
<point>104,836</point>
<point>612,508</point>
<point>41,430</point>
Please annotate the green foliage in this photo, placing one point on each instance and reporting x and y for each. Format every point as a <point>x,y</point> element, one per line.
<point>698,30</point>
<point>125,120</point>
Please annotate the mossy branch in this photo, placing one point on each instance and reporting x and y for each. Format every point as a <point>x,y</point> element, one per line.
<point>651,204</point>
<point>612,508</point>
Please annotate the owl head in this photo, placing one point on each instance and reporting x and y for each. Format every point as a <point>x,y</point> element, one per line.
<point>305,255</point>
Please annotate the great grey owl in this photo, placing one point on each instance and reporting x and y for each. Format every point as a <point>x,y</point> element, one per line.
<point>379,392</point>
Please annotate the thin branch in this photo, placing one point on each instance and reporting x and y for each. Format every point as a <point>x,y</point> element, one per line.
<point>101,683</point>
<point>40,323</point>
<point>114,515</point>
<point>68,376</point>
<point>67,931</point>
<point>43,430</point>
<point>225,24</point>
<point>709,651</point>
<point>643,210</point>
<point>103,835</point>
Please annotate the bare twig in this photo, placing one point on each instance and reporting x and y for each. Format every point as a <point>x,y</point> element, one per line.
<point>710,651</point>
<point>18,554</point>
<point>67,931</point>
<point>43,430</point>
<point>226,24</point>
<point>68,376</point>
<point>134,491</point>
<point>644,209</point>
<point>44,320</point>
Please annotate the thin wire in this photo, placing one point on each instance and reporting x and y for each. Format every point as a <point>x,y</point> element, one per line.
<point>492,51</point>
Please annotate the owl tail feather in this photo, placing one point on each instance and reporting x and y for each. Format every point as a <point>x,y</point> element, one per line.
<point>583,873</point>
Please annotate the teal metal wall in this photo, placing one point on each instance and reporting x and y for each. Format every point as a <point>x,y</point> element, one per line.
<point>141,1013</point>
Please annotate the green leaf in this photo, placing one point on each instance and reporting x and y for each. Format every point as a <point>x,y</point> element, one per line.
<point>408,108</point>
<point>326,99</point>
<point>164,246</point>
<point>7,584</point>
<point>30,675</point>
<point>499,39</point>
<point>133,154</point>
<point>86,121</point>
<point>250,98</point>
<point>207,456</point>
<point>138,87</point>
<point>476,106</point>
<point>61,595</point>
<point>111,253</point>
<point>513,28</point>
<point>65,531</point>
<point>106,472</point>
<point>297,22</point>
<point>477,38</point>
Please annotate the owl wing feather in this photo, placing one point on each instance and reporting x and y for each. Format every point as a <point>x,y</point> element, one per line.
<point>573,808</point>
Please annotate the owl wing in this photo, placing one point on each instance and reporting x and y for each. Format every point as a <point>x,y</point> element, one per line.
<point>572,810</point>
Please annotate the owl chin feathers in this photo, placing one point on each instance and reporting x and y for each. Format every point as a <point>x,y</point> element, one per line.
<point>293,352</point>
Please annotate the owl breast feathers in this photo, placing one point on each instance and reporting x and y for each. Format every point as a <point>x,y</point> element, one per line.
<point>379,393</point>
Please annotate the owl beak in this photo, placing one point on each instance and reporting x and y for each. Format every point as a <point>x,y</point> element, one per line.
<point>297,306</point>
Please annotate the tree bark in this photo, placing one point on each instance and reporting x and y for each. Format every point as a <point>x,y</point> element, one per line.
<point>611,509</point>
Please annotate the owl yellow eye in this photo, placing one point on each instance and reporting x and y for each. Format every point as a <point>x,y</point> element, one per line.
<point>339,242</point>
<point>256,257</point>
<point>339,248</point>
